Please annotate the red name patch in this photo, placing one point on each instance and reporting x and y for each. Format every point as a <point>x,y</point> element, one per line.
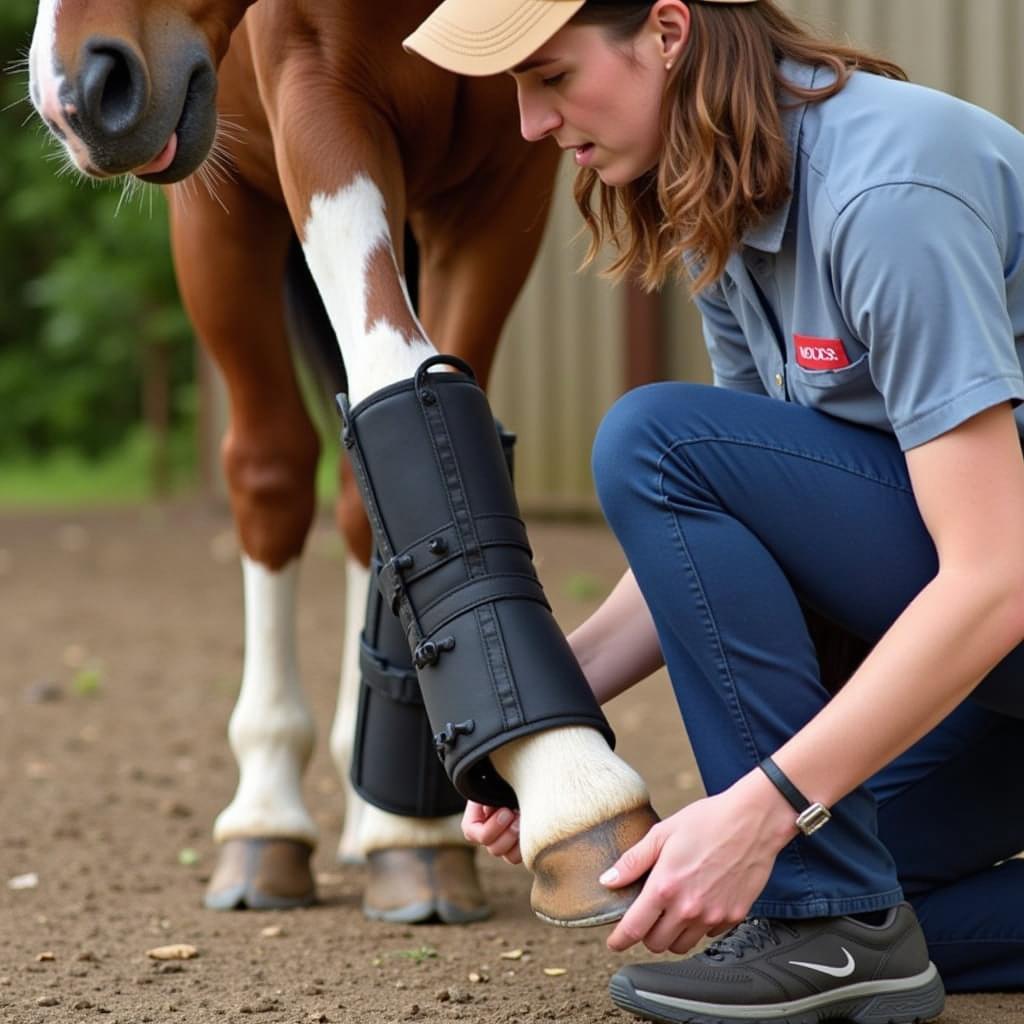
<point>820,353</point>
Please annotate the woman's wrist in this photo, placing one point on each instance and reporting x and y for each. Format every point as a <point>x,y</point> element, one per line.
<point>766,808</point>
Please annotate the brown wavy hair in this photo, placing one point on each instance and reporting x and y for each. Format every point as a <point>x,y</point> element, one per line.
<point>725,164</point>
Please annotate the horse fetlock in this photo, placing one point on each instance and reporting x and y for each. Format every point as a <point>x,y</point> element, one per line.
<point>288,737</point>
<point>380,830</point>
<point>268,801</point>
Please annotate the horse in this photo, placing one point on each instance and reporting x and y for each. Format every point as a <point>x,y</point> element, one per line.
<point>347,139</point>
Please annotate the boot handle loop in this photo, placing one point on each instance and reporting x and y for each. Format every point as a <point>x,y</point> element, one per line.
<point>443,360</point>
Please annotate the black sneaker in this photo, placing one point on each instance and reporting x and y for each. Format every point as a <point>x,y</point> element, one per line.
<point>794,972</point>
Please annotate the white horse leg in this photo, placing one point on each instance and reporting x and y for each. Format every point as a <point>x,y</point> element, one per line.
<point>367,828</point>
<point>271,734</point>
<point>593,788</point>
<point>357,579</point>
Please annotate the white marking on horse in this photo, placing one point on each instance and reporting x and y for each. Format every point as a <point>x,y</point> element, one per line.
<point>48,81</point>
<point>342,234</point>
<point>271,729</point>
<point>367,828</point>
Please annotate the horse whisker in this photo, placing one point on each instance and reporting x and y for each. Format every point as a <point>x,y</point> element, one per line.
<point>14,103</point>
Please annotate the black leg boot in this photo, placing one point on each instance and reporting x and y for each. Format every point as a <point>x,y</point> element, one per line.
<point>492,663</point>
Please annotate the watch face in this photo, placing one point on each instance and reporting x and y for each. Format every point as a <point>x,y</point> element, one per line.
<point>813,818</point>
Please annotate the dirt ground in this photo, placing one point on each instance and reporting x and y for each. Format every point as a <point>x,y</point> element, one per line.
<point>121,654</point>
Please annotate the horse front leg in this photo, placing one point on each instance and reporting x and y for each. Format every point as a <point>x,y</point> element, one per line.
<point>230,265</point>
<point>497,675</point>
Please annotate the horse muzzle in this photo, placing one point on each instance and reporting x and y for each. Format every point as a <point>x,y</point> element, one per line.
<point>126,117</point>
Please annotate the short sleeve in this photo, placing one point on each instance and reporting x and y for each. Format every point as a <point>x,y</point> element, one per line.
<point>732,364</point>
<point>919,279</point>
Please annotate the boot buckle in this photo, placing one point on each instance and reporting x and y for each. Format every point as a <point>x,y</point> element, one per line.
<point>428,652</point>
<point>450,733</point>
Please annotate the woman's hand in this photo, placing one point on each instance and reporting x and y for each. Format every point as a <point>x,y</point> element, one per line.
<point>708,863</point>
<point>496,828</point>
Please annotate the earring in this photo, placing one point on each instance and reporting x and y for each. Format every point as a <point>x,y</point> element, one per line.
<point>668,66</point>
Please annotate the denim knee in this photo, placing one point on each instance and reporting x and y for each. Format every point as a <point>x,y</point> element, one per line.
<point>632,438</point>
<point>615,457</point>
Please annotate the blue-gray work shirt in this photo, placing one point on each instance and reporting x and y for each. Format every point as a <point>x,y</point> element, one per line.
<point>889,290</point>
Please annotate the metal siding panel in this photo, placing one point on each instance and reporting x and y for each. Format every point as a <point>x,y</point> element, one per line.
<point>559,367</point>
<point>561,363</point>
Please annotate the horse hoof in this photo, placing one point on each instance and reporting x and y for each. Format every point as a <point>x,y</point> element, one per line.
<point>262,874</point>
<point>413,885</point>
<point>566,891</point>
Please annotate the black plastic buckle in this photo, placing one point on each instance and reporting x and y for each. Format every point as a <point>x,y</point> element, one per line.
<point>390,581</point>
<point>450,733</point>
<point>428,652</point>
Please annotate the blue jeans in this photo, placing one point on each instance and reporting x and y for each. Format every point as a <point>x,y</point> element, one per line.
<point>736,510</point>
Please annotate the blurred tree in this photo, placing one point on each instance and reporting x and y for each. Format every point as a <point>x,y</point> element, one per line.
<point>86,285</point>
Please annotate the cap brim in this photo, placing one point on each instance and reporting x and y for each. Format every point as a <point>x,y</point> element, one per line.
<point>471,37</point>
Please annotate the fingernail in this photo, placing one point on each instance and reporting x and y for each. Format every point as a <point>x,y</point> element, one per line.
<point>515,825</point>
<point>504,817</point>
<point>609,877</point>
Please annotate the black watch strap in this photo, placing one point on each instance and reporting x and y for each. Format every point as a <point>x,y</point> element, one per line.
<point>809,817</point>
<point>796,799</point>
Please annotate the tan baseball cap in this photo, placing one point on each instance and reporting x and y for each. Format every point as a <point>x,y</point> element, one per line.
<point>486,37</point>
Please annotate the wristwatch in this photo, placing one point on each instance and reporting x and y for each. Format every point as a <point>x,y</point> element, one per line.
<point>810,817</point>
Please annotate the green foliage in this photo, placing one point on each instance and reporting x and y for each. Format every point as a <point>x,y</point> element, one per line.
<point>84,287</point>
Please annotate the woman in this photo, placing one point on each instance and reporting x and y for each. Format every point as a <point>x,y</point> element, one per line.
<point>856,247</point>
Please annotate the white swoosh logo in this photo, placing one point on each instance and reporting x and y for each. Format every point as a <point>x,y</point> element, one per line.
<point>836,972</point>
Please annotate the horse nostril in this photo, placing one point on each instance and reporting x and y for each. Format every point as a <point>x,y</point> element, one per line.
<point>114,87</point>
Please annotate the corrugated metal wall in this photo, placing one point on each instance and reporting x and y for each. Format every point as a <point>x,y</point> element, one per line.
<point>562,362</point>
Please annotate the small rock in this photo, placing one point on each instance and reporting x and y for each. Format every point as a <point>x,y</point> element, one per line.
<point>46,691</point>
<point>265,1005</point>
<point>272,931</point>
<point>47,1001</point>
<point>47,956</point>
<point>174,809</point>
<point>87,956</point>
<point>511,954</point>
<point>178,951</point>
<point>555,972</point>
<point>82,1004</point>
<point>443,996</point>
<point>26,881</point>
<point>458,995</point>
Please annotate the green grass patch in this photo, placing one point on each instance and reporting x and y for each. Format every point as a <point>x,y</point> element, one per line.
<point>69,478</point>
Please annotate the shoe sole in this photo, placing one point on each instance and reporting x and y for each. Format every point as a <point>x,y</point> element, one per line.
<point>908,1001</point>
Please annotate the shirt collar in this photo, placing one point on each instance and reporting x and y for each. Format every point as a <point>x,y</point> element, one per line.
<point>767,236</point>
